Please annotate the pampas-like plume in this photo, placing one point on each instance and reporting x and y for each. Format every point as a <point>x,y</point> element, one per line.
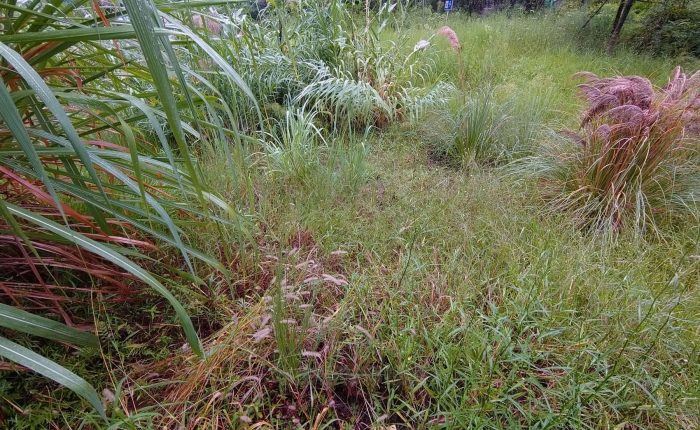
<point>451,37</point>
<point>605,94</point>
<point>682,93</point>
<point>636,156</point>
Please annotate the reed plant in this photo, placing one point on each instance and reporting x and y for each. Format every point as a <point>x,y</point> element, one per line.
<point>100,124</point>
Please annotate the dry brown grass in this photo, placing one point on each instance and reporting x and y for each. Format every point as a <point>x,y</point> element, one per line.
<point>278,350</point>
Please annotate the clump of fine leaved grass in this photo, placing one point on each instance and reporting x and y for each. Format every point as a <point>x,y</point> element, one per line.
<point>293,150</point>
<point>634,160</point>
<point>297,155</point>
<point>466,132</point>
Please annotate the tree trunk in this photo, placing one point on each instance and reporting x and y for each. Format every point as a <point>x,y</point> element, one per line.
<point>617,15</point>
<point>620,19</point>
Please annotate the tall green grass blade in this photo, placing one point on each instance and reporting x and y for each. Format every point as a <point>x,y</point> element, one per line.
<point>143,20</point>
<point>156,127</point>
<point>54,8</point>
<point>179,5</point>
<point>19,320</point>
<point>24,12</point>
<point>12,119</point>
<point>117,210</point>
<point>218,59</point>
<point>130,183</point>
<point>24,16</point>
<point>72,35</point>
<point>114,257</point>
<point>45,367</point>
<point>44,93</point>
<point>16,227</point>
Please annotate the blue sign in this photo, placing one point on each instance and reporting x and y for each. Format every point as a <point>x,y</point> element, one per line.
<point>448,5</point>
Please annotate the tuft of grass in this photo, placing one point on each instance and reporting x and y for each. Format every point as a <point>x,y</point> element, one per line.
<point>635,160</point>
<point>467,132</point>
<point>294,148</point>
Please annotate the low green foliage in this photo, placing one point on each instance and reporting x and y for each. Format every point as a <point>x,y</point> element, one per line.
<point>80,186</point>
<point>669,28</point>
<point>469,135</point>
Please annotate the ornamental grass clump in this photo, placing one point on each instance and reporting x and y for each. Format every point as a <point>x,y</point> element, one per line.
<point>93,192</point>
<point>635,159</point>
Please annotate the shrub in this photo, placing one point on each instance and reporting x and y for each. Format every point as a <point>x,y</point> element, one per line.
<point>670,29</point>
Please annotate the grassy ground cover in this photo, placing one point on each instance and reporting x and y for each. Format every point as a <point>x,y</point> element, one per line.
<point>410,276</point>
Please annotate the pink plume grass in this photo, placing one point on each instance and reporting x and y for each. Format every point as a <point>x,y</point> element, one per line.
<point>451,37</point>
<point>635,143</point>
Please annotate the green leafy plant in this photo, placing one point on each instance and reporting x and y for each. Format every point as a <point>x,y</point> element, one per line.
<point>88,177</point>
<point>317,57</point>
<point>669,28</point>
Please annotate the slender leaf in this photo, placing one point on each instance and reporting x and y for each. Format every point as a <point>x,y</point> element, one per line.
<point>19,320</point>
<point>109,254</point>
<point>72,35</point>
<point>45,367</point>
<point>9,114</point>
<point>44,93</point>
<point>143,20</point>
